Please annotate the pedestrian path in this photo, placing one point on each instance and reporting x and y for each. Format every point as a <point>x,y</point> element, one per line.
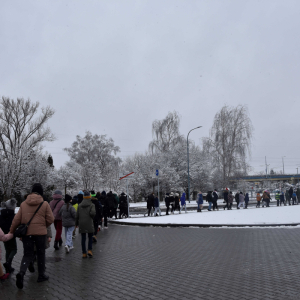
<point>252,216</point>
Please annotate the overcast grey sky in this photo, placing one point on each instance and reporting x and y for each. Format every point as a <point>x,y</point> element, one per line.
<point>112,67</point>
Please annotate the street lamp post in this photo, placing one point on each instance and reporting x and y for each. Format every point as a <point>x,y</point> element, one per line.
<point>188,160</point>
<point>283,163</point>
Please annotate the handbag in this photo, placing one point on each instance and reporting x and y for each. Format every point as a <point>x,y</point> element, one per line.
<point>21,230</point>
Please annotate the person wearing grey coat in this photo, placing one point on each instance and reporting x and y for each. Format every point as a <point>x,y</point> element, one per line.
<point>68,215</point>
<point>85,220</point>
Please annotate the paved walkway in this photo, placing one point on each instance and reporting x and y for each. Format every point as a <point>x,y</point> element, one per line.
<point>171,263</point>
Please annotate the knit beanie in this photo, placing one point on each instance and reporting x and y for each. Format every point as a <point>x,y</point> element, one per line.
<point>86,195</point>
<point>103,193</point>
<point>11,204</point>
<point>37,188</point>
<point>93,194</point>
<point>68,198</point>
<point>57,195</point>
<point>80,193</point>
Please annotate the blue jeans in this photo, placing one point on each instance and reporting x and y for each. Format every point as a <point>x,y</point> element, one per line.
<point>90,241</point>
<point>68,234</point>
<point>209,205</point>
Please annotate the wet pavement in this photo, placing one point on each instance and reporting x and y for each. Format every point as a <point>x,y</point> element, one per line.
<point>170,263</point>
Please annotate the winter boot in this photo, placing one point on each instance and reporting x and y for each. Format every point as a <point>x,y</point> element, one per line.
<point>90,254</point>
<point>56,245</point>
<point>4,276</point>
<point>60,242</point>
<point>6,267</point>
<point>84,255</point>
<point>94,239</point>
<point>31,268</point>
<point>20,279</point>
<point>42,277</point>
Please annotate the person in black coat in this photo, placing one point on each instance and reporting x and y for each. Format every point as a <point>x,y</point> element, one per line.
<point>172,202</point>
<point>237,199</point>
<point>7,215</point>
<point>123,205</point>
<point>96,220</point>
<point>226,199</point>
<point>209,199</point>
<point>112,204</point>
<point>105,206</point>
<point>150,204</point>
<point>291,191</point>
<point>215,199</point>
<point>167,202</point>
<point>177,206</point>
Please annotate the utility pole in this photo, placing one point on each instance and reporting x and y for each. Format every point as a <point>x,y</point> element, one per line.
<point>283,163</point>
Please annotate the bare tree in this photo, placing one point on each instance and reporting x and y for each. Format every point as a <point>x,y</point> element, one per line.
<point>20,136</point>
<point>230,141</point>
<point>165,133</point>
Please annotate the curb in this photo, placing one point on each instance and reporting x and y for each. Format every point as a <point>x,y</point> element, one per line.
<point>201,225</point>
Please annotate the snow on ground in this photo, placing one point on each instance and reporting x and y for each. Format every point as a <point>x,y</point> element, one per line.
<point>270,215</point>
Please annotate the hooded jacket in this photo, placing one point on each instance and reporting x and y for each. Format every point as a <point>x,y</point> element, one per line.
<point>68,215</point>
<point>241,198</point>
<point>85,216</point>
<point>42,219</point>
<point>98,208</point>
<point>123,201</point>
<point>150,201</point>
<point>200,199</point>
<point>6,218</point>
<point>246,198</point>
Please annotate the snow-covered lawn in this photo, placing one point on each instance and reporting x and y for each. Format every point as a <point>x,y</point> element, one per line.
<point>271,215</point>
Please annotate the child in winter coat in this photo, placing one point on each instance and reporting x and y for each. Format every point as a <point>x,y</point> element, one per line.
<point>68,215</point>
<point>258,199</point>
<point>85,220</point>
<point>200,202</point>
<point>183,203</point>
<point>7,215</point>
<point>4,238</point>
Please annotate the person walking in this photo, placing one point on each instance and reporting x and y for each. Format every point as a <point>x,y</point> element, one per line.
<point>230,200</point>
<point>200,202</point>
<point>294,198</point>
<point>277,197</point>
<point>183,203</point>
<point>287,198</point>
<point>42,217</point>
<point>68,215</point>
<point>85,221</point>
<point>291,191</point>
<point>246,200</point>
<point>282,198</point>
<point>167,203</point>
<point>225,195</point>
<point>150,204</point>
<point>215,200</point>
<point>241,200</point>
<point>266,199</point>
<point>75,205</point>
<point>258,199</point>
<point>237,199</point>
<point>105,207</point>
<point>4,238</point>
<point>56,204</point>
<point>172,202</point>
<point>98,210</point>
<point>123,206</point>
<point>209,199</point>
<point>176,201</point>
<point>156,206</point>
<point>7,215</point>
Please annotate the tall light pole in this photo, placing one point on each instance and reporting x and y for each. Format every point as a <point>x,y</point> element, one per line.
<point>188,160</point>
<point>283,163</point>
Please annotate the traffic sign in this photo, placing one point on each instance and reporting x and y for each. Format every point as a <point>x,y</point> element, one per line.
<point>127,176</point>
<point>157,173</point>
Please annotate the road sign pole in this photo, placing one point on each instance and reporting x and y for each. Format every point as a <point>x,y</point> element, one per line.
<point>127,197</point>
<point>158,188</point>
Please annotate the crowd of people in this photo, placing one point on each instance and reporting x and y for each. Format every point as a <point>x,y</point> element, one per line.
<point>175,201</point>
<point>86,211</point>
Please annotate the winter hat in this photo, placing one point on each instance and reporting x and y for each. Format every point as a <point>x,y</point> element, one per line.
<point>80,198</point>
<point>57,195</point>
<point>68,198</point>
<point>86,195</point>
<point>11,204</point>
<point>103,193</point>
<point>80,193</point>
<point>171,194</point>
<point>93,194</point>
<point>37,188</point>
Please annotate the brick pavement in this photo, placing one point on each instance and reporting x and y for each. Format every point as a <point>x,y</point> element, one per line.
<point>171,263</point>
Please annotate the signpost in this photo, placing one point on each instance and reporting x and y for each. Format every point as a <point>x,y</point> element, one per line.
<point>127,176</point>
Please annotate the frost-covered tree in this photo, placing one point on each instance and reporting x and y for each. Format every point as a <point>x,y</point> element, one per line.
<point>96,155</point>
<point>229,142</point>
<point>21,133</point>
